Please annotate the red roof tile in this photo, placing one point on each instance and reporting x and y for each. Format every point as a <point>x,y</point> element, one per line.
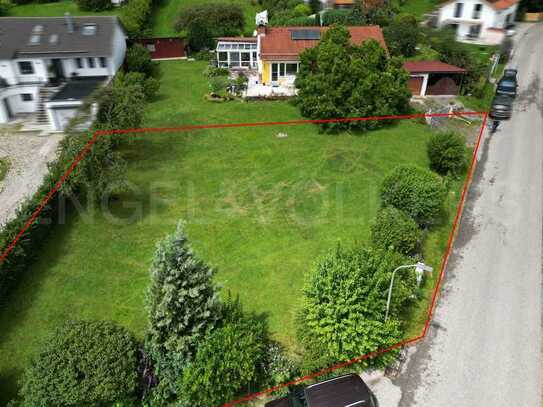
<point>502,4</point>
<point>278,44</point>
<point>431,67</point>
<point>497,4</point>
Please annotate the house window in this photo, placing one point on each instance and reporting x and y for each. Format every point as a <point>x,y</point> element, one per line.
<point>477,11</point>
<point>79,63</point>
<point>291,69</point>
<point>151,47</point>
<point>234,59</point>
<point>281,70</point>
<point>458,8</point>
<point>27,97</point>
<point>90,62</point>
<point>245,59</point>
<point>26,67</point>
<point>103,62</point>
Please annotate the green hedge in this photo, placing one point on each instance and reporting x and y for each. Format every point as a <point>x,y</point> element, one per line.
<point>135,16</point>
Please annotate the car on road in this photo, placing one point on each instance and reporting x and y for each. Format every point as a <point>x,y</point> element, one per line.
<point>502,107</point>
<point>348,390</point>
<point>508,83</point>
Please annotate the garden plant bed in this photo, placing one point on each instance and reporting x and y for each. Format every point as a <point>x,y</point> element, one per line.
<point>259,208</point>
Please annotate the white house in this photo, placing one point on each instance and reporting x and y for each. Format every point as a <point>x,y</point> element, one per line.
<point>479,21</point>
<point>49,65</point>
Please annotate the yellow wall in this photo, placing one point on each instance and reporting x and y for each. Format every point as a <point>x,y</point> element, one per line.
<point>266,72</point>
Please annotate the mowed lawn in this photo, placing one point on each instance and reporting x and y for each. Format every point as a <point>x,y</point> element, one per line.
<point>56,9</point>
<point>258,207</point>
<point>166,13</point>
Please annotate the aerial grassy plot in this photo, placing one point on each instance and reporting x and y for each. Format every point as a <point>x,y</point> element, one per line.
<point>166,12</point>
<point>56,9</point>
<point>261,204</point>
<point>417,7</point>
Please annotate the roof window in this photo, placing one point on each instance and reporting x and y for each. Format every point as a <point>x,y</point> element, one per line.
<point>34,39</point>
<point>37,29</point>
<point>53,39</point>
<point>88,29</point>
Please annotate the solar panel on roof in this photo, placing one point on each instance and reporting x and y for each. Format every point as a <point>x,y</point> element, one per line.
<point>306,34</point>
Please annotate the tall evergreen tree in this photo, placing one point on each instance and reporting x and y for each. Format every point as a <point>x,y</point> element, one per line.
<point>183,305</point>
<point>315,6</point>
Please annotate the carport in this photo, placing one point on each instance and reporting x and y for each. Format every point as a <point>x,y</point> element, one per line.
<point>434,78</point>
<point>65,104</point>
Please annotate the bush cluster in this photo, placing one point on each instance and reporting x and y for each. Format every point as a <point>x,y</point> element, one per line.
<point>82,363</point>
<point>417,191</point>
<point>447,153</point>
<point>395,230</point>
<point>205,351</point>
<point>202,23</point>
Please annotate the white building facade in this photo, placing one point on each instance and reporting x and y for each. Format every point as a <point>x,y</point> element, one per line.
<point>478,21</point>
<point>41,56</point>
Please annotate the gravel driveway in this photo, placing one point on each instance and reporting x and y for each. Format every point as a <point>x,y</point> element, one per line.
<point>29,155</point>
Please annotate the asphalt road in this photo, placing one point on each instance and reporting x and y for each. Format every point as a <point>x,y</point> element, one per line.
<point>484,345</point>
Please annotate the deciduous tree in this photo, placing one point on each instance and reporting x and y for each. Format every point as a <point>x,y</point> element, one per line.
<point>340,80</point>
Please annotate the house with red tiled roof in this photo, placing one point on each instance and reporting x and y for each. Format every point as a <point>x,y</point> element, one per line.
<point>271,59</point>
<point>478,21</point>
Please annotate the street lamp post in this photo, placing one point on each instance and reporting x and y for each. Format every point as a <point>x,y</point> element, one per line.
<point>420,268</point>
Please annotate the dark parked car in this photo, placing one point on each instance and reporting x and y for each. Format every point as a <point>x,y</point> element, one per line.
<point>508,83</point>
<point>349,390</point>
<point>510,74</point>
<point>502,107</point>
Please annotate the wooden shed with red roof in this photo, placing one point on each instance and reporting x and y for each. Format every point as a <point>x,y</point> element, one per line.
<point>434,78</point>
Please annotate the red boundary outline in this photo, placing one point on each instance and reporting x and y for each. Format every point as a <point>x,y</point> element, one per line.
<point>95,137</point>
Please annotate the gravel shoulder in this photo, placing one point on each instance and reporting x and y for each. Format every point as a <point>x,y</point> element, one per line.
<point>28,155</point>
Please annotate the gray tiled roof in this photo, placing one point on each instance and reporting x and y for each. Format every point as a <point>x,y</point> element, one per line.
<point>16,32</point>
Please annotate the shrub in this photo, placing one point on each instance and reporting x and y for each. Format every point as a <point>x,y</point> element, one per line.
<point>447,153</point>
<point>137,80</point>
<point>344,305</point>
<point>278,368</point>
<point>393,229</point>
<point>218,85</point>
<point>83,363</point>
<point>204,22</point>
<point>182,305</point>
<point>211,71</point>
<point>417,191</point>
<point>94,5</point>
<point>5,5</point>
<point>138,59</point>
<point>121,106</point>
<point>303,9</point>
<point>227,361</point>
<point>337,79</point>
<point>403,35</point>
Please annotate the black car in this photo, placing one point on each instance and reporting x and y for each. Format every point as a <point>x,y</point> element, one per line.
<point>342,391</point>
<point>508,83</point>
<point>502,107</point>
<point>510,74</point>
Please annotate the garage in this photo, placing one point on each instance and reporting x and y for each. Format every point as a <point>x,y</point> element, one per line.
<point>434,78</point>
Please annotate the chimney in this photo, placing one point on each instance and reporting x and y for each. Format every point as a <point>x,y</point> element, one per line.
<point>261,22</point>
<point>69,22</point>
